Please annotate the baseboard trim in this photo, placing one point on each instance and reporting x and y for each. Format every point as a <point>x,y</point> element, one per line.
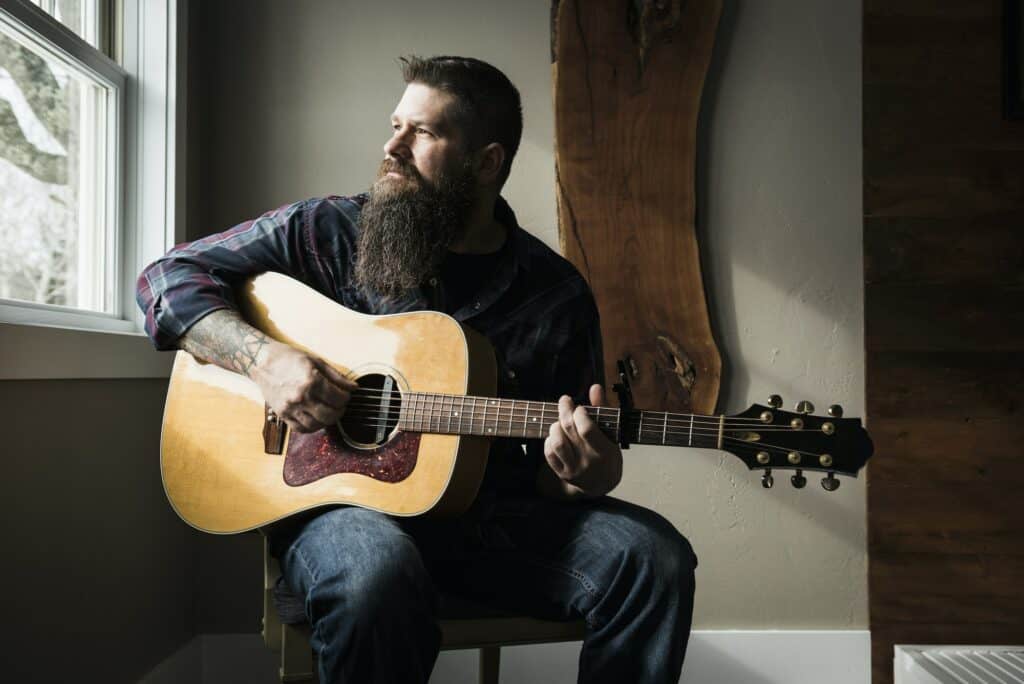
<point>778,657</point>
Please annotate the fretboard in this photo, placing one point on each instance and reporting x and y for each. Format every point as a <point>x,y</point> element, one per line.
<point>453,414</point>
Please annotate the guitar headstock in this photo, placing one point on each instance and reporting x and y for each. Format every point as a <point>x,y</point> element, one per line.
<point>769,438</point>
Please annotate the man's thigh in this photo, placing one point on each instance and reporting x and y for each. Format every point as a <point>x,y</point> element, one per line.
<point>561,559</point>
<point>348,550</point>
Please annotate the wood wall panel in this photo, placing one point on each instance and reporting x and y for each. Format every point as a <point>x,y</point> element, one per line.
<point>974,451</point>
<point>628,80</point>
<point>989,318</point>
<point>944,328</point>
<point>988,250</point>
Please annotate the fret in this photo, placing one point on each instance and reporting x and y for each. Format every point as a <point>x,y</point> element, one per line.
<point>640,430</point>
<point>472,414</point>
<point>490,430</point>
<point>664,428</point>
<point>511,414</point>
<point>462,412</point>
<point>449,411</point>
<point>691,429</point>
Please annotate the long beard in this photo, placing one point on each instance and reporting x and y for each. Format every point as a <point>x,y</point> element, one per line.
<point>407,226</point>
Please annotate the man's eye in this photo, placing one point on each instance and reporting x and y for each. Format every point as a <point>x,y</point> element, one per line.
<point>424,131</point>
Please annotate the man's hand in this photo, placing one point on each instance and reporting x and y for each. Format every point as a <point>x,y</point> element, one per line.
<point>585,461</point>
<point>305,392</point>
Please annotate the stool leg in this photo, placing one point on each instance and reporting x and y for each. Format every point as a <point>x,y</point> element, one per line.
<point>296,656</point>
<point>490,661</point>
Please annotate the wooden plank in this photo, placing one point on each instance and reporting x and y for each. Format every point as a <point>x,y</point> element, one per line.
<point>943,182</point>
<point>930,318</point>
<point>628,81</point>
<point>904,116</point>
<point>931,9</point>
<point>933,50</point>
<point>944,385</point>
<point>984,452</point>
<point>987,250</point>
<point>943,588</point>
<point>943,204</point>
<point>915,516</point>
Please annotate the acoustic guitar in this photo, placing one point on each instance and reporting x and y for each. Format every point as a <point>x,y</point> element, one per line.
<point>415,435</point>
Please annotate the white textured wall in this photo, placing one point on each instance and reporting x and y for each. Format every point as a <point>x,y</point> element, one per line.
<point>299,107</point>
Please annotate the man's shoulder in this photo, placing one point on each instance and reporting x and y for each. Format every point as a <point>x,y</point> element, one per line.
<point>546,269</point>
<point>331,221</point>
<point>348,205</point>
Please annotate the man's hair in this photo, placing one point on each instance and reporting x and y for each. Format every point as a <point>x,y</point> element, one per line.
<point>487,105</point>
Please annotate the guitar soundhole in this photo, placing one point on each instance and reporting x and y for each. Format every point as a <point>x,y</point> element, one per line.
<point>373,411</point>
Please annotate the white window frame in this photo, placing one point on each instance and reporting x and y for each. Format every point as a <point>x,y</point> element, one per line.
<point>40,341</point>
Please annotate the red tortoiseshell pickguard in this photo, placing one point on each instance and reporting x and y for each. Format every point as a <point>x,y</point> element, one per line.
<point>315,455</point>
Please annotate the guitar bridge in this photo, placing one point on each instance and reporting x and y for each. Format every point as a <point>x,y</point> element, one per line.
<point>273,431</point>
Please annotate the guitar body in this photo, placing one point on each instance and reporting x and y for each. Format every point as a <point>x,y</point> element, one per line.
<point>214,462</point>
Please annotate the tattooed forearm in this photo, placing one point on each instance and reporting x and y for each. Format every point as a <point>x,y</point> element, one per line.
<point>225,339</point>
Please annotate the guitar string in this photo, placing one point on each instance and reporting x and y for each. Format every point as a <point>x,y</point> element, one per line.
<point>501,414</point>
<point>441,396</point>
<point>703,433</point>
<point>698,419</point>
<point>502,421</point>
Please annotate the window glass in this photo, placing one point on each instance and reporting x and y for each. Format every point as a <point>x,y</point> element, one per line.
<point>81,16</point>
<point>55,167</point>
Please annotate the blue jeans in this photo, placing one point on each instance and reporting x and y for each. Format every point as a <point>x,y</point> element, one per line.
<point>370,583</point>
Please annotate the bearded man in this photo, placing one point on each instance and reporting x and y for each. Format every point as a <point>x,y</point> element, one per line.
<point>543,536</point>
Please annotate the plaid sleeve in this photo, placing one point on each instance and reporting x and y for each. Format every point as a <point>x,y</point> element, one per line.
<point>194,279</point>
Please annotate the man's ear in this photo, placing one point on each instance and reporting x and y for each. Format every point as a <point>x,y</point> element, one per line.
<point>489,162</point>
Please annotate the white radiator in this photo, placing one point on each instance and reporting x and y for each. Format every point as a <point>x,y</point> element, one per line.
<point>959,664</point>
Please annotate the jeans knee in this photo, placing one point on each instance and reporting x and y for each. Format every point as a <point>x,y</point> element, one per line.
<point>361,565</point>
<point>658,552</point>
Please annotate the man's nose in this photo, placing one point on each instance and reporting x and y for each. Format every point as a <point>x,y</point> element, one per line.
<point>396,146</point>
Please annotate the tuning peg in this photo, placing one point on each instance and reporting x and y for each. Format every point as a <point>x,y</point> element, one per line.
<point>830,483</point>
<point>775,401</point>
<point>835,411</point>
<point>798,480</point>
<point>767,481</point>
<point>804,407</point>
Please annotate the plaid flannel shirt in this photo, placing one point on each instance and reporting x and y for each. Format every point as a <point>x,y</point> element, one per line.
<point>536,310</point>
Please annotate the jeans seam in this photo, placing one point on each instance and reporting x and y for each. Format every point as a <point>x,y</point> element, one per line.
<point>588,584</point>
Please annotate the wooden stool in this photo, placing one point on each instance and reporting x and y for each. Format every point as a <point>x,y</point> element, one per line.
<point>459,630</point>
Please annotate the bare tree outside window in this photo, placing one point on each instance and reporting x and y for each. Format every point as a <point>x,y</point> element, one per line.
<point>52,175</point>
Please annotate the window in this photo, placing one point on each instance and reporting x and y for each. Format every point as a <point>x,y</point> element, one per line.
<point>88,174</point>
<point>60,127</point>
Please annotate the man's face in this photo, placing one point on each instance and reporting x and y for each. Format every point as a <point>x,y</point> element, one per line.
<point>425,142</point>
<point>420,202</point>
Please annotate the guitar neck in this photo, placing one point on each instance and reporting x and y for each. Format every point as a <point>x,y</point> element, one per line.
<point>454,414</point>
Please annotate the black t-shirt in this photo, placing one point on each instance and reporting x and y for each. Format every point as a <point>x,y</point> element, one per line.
<point>463,276</point>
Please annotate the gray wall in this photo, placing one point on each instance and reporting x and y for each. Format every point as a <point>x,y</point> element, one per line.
<point>97,572</point>
<point>299,107</point>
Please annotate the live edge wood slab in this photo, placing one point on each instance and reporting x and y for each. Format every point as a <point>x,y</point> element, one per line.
<point>628,76</point>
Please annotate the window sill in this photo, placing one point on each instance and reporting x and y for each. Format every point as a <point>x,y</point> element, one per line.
<point>35,352</point>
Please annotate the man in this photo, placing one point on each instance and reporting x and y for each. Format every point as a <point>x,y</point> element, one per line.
<point>542,536</point>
